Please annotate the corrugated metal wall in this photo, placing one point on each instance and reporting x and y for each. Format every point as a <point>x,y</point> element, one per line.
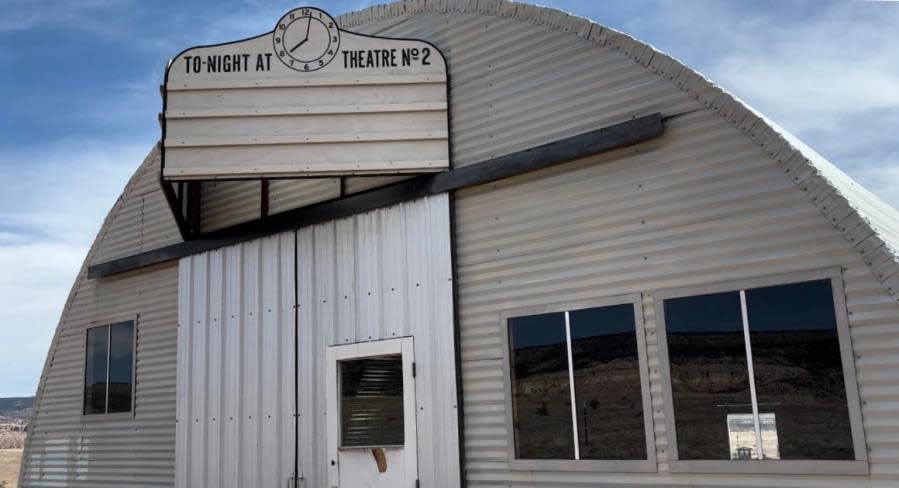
<point>63,449</point>
<point>143,221</point>
<point>381,275</point>
<point>522,76</point>
<point>236,366</point>
<point>702,204</point>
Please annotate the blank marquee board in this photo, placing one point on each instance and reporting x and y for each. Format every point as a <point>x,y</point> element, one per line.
<point>307,99</point>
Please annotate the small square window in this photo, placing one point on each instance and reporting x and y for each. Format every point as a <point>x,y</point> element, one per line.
<point>109,369</point>
<point>371,402</point>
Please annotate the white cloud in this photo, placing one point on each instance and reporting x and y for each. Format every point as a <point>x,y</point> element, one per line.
<point>54,200</point>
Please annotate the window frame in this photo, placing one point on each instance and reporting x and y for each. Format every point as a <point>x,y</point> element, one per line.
<point>859,466</point>
<point>648,465</point>
<point>115,416</point>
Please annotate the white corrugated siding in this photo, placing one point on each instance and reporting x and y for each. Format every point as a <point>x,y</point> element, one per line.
<point>226,203</point>
<point>699,205</point>
<point>63,450</point>
<point>381,275</point>
<point>503,56</point>
<point>235,366</point>
<point>143,221</point>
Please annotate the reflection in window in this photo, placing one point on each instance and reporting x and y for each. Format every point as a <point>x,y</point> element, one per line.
<point>798,369</point>
<point>607,383</point>
<point>800,396</point>
<point>371,402</point>
<point>709,378</point>
<point>604,370</point>
<point>742,435</point>
<point>541,394</point>
<point>109,369</point>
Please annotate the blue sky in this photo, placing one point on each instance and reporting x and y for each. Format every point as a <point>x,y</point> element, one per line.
<point>80,80</point>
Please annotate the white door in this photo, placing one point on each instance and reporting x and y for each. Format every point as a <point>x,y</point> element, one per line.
<point>371,415</point>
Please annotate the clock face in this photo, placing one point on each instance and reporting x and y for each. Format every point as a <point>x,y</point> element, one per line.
<point>306,39</point>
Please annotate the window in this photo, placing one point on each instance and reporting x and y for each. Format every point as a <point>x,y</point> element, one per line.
<point>577,384</point>
<point>109,369</point>
<point>371,402</point>
<point>757,372</point>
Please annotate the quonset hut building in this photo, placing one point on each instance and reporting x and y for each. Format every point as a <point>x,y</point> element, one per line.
<point>473,243</point>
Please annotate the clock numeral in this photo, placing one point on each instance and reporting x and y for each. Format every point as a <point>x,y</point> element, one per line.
<point>330,25</point>
<point>320,63</point>
<point>331,52</point>
<point>305,12</point>
<point>282,53</point>
<point>335,39</point>
<point>306,67</point>
<point>282,26</point>
<point>277,40</point>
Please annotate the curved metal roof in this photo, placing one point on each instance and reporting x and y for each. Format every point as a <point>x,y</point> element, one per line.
<point>867,222</point>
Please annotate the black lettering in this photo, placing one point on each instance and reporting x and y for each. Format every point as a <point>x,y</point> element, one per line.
<point>187,64</point>
<point>407,59</point>
<point>393,58</point>
<point>260,66</point>
<point>198,64</point>
<point>246,62</point>
<point>211,64</point>
<point>346,56</point>
<point>369,59</point>
<point>426,53</point>
<point>268,61</point>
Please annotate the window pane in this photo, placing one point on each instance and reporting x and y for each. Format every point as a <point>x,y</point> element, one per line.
<point>541,395</point>
<point>709,376</point>
<point>371,402</point>
<point>798,370</point>
<point>607,383</point>
<point>95,370</point>
<point>121,364</point>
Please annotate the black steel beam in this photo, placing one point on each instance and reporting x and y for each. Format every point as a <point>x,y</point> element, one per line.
<point>633,131</point>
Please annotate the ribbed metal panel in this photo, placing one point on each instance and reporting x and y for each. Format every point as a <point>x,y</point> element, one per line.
<point>699,205</point>
<point>235,366</point>
<point>66,450</point>
<point>381,275</point>
<point>142,220</point>
<point>225,203</point>
<point>288,194</point>
<point>356,185</point>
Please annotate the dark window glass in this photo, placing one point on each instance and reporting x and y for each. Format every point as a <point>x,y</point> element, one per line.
<point>371,402</point>
<point>95,370</point>
<point>121,364</point>
<point>109,369</point>
<point>541,394</point>
<point>709,377</point>
<point>607,383</point>
<point>798,371</point>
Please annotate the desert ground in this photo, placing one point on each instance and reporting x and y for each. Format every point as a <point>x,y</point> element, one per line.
<point>9,466</point>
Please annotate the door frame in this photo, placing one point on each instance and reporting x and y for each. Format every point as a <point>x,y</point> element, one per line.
<point>404,346</point>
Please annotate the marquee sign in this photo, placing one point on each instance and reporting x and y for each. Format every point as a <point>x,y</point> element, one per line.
<point>306,99</point>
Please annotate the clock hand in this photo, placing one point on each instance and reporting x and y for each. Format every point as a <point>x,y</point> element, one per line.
<point>308,24</point>
<point>298,45</point>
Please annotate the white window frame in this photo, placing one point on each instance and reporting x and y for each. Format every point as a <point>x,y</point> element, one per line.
<point>859,466</point>
<point>647,465</point>
<point>403,346</point>
<point>95,417</point>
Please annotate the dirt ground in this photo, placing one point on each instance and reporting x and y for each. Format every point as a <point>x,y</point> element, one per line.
<point>9,466</point>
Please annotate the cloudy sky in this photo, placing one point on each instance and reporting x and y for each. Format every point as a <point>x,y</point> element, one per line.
<point>79,83</point>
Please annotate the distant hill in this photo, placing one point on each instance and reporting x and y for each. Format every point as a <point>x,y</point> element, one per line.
<point>16,409</point>
<point>13,404</point>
